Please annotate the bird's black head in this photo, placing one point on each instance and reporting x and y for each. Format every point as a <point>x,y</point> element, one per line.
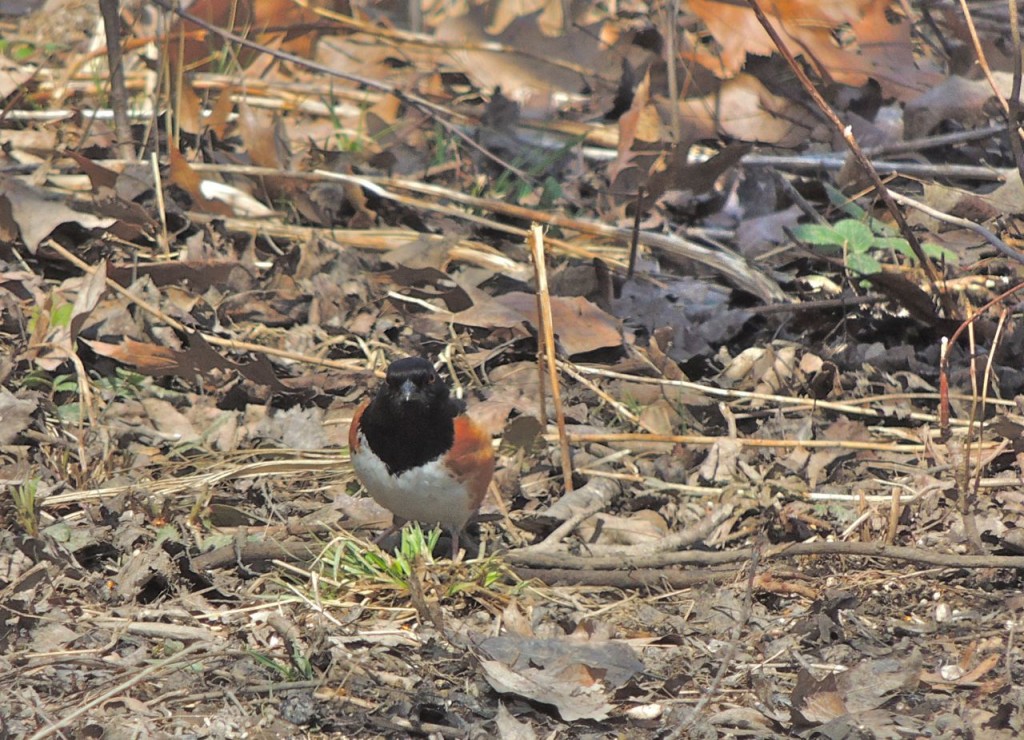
<point>411,419</point>
<point>412,386</point>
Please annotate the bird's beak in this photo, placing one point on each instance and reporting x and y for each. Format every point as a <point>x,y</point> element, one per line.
<point>407,391</point>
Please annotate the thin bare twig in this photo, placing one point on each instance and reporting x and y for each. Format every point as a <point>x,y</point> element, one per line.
<point>546,341</point>
<point>987,235</point>
<point>730,653</point>
<point>209,338</point>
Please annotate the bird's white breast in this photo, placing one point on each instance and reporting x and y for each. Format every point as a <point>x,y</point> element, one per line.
<point>427,493</point>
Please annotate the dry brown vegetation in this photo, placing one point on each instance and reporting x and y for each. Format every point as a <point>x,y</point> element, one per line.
<point>765,483</point>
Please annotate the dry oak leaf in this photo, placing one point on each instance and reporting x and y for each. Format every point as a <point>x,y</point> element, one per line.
<point>580,326</point>
<point>875,46</point>
<point>35,214</point>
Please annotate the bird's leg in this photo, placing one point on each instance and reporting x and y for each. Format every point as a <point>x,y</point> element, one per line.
<point>396,526</point>
<point>455,543</point>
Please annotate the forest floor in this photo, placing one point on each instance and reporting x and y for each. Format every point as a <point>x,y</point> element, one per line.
<point>774,493</point>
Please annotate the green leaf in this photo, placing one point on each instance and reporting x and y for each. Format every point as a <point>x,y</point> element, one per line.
<point>839,199</point>
<point>938,252</point>
<point>818,235</point>
<point>896,243</point>
<point>858,236</point>
<point>61,316</point>
<point>70,413</point>
<point>65,383</point>
<point>23,53</point>
<point>550,193</point>
<point>863,264</point>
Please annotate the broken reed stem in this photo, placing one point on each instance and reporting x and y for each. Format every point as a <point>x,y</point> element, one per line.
<point>546,343</point>
<point>161,206</point>
<point>541,369</point>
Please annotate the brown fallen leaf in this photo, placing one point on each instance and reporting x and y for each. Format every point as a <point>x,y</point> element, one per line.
<point>580,326</point>
<point>574,673</point>
<point>35,214</point>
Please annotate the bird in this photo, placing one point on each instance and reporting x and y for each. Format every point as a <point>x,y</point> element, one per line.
<point>417,453</point>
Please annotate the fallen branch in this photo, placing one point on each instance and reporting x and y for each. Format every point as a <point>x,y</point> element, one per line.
<point>917,556</point>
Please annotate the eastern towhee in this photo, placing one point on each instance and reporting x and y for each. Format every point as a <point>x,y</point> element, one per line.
<point>417,453</point>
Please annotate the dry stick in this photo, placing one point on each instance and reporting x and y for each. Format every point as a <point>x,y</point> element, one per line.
<point>547,334</point>
<point>730,653</point>
<point>929,142</point>
<point>211,339</point>
<point>847,133</point>
<point>634,243</point>
<point>633,578</point>
<point>894,516</point>
<point>816,162</point>
<point>979,54</point>
<point>620,409</point>
<point>732,266</point>
<point>688,439</point>
<point>371,184</point>
<point>1010,110</point>
<point>603,491</point>
<point>793,402</point>
<point>118,689</point>
<point>946,349</point>
<point>918,556</point>
<point>979,402</point>
<point>963,223</point>
<point>118,92</point>
<point>161,206</point>
<point>670,36</point>
<point>541,342</point>
<point>186,485</point>
<point>1013,114</point>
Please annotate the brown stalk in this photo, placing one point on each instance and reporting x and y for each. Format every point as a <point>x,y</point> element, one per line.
<point>894,516</point>
<point>118,93</point>
<point>1013,113</point>
<point>546,342</point>
<point>944,355</point>
<point>1010,108</point>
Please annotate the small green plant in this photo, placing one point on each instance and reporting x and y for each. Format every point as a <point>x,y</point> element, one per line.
<point>860,244</point>
<point>509,184</point>
<point>25,511</point>
<point>352,561</point>
<point>443,146</point>
<point>861,238</point>
<point>20,50</point>
<point>123,384</point>
<point>59,316</point>
<point>299,670</point>
<point>59,388</point>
